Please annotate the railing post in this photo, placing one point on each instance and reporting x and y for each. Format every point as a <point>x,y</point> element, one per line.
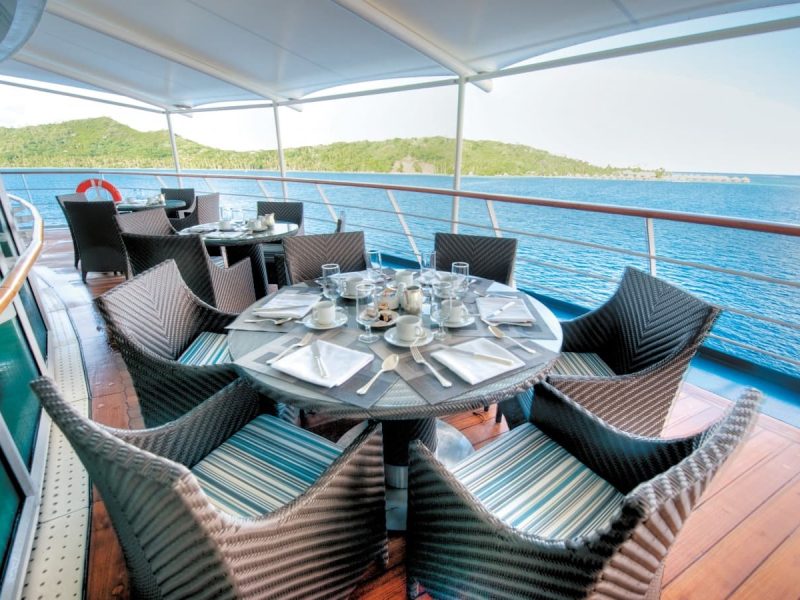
<point>281,159</point>
<point>493,218</point>
<point>459,152</point>
<point>175,157</point>
<point>327,203</point>
<point>651,244</point>
<point>411,241</point>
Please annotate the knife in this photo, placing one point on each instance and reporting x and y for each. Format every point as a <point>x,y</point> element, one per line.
<point>505,306</point>
<point>497,359</point>
<point>318,358</point>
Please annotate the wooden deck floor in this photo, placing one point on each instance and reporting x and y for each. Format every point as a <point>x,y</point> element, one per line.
<point>743,541</point>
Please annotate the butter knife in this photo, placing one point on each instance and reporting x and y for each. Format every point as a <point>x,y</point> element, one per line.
<point>505,306</point>
<point>318,358</point>
<point>497,359</point>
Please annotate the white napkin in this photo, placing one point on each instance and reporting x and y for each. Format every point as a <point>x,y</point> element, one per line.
<point>474,370</point>
<point>227,235</point>
<point>517,313</point>
<point>341,364</point>
<point>287,304</point>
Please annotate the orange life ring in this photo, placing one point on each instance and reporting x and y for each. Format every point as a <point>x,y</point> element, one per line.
<point>97,185</point>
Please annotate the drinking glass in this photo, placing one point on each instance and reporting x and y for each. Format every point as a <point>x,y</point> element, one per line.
<point>330,281</point>
<point>427,267</point>
<point>366,311</point>
<point>237,216</point>
<point>441,293</point>
<point>375,266</point>
<point>460,272</point>
<point>224,213</point>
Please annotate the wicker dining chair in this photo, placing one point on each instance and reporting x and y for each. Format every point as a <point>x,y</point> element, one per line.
<point>306,254</point>
<point>488,257</point>
<point>207,208</point>
<point>185,194</point>
<point>226,502</point>
<point>145,222</point>
<point>291,212</point>
<point>625,360</point>
<point>564,507</point>
<point>79,197</point>
<point>94,233</point>
<point>229,289</point>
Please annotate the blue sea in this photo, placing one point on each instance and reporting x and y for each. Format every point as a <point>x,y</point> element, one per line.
<point>541,257</point>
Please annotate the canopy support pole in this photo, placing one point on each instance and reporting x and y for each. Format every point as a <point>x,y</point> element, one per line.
<point>175,158</point>
<point>459,151</point>
<point>281,158</point>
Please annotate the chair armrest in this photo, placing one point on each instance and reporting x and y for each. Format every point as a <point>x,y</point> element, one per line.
<point>213,319</point>
<point>233,287</point>
<point>623,459</point>
<point>588,331</point>
<point>185,220</point>
<point>190,438</point>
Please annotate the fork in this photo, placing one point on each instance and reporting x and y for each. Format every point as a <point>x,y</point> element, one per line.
<point>418,358</point>
<point>274,321</point>
<point>307,339</point>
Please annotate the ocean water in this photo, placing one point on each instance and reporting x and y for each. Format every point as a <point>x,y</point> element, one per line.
<point>541,257</point>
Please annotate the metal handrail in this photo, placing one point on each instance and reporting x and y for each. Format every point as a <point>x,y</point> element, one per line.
<point>14,280</point>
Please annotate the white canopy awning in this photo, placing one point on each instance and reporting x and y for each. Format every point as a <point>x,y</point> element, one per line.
<point>187,53</point>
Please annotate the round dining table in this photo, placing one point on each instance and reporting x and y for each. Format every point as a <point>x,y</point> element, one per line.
<point>168,205</point>
<point>240,242</point>
<point>405,414</point>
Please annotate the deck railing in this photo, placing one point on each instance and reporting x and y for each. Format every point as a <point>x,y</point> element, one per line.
<point>403,232</point>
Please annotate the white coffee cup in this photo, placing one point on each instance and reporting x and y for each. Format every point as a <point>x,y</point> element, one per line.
<point>404,277</point>
<point>455,310</point>
<point>324,312</point>
<point>409,328</point>
<point>350,285</point>
<point>253,224</point>
<point>225,226</point>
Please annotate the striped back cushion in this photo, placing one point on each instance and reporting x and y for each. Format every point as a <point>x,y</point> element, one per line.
<point>531,483</point>
<point>207,349</point>
<point>265,465</point>
<point>587,364</point>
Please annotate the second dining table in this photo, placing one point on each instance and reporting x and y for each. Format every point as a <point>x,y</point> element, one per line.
<point>240,242</point>
<point>409,399</point>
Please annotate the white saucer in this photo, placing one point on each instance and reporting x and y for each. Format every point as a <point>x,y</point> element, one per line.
<point>351,297</point>
<point>468,321</point>
<point>391,337</point>
<point>338,321</point>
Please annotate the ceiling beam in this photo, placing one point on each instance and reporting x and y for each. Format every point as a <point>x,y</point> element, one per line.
<point>406,34</point>
<point>145,41</point>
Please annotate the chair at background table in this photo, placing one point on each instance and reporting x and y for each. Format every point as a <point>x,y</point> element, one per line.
<point>96,236</point>
<point>207,210</point>
<point>80,197</point>
<point>145,222</point>
<point>625,360</point>
<point>308,524</point>
<point>274,257</point>
<point>185,194</point>
<point>306,254</point>
<point>229,289</point>
<point>566,506</point>
<point>488,257</point>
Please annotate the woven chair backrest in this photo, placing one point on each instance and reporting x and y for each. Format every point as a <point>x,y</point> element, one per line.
<point>305,254</point>
<point>208,208</point>
<point>79,197</point>
<point>489,257</point>
<point>291,212</point>
<point>145,222</point>
<point>93,226</point>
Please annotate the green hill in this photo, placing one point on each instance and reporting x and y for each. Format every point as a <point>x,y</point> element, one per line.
<point>103,142</point>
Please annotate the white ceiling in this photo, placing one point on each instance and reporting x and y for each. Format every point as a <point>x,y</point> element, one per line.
<point>195,52</point>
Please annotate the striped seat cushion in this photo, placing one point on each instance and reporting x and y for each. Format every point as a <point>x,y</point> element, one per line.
<point>587,364</point>
<point>531,483</point>
<point>208,349</point>
<point>265,465</point>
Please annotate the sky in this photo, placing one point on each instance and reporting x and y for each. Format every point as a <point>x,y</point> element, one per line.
<point>731,107</point>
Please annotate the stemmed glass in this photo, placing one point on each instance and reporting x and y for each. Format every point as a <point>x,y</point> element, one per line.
<point>366,311</point>
<point>442,293</point>
<point>460,272</point>
<point>427,268</point>
<point>375,266</point>
<point>330,281</point>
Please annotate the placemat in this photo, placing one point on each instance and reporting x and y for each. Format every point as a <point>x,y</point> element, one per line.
<point>537,331</point>
<point>269,326</point>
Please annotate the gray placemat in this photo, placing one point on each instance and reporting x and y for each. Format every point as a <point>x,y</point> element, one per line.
<point>536,331</point>
<point>269,326</point>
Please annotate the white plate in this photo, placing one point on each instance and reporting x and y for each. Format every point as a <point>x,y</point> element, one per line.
<point>352,297</point>
<point>338,321</point>
<point>468,321</point>
<point>391,337</point>
<point>393,316</point>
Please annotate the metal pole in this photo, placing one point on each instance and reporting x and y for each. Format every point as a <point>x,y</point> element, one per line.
<point>174,148</point>
<point>459,150</point>
<point>281,161</point>
<point>651,245</point>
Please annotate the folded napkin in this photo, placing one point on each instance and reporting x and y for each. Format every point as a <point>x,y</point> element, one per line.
<point>287,304</point>
<point>341,364</point>
<point>474,370</point>
<point>517,313</point>
<point>227,235</point>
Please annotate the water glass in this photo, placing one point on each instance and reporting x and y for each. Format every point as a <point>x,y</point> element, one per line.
<point>375,266</point>
<point>439,316</point>
<point>330,281</point>
<point>366,311</point>
<point>460,271</point>
<point>237,216</point>
<point>427,267</point>
<point>224,213</point>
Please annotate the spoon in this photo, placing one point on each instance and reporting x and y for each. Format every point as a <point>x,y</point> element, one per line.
<point>500,334</point>
<point>389,364</point>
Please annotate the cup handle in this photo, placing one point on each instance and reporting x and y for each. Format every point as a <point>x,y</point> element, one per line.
<point>419,331</point>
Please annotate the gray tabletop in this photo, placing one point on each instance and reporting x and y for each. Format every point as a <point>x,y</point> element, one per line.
<point>400,401</point>
<point>134,207</point>
<point>246,237</point>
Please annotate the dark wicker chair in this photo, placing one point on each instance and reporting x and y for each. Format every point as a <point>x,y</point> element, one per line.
<point>229,289</point>
<point>96,236</point>
<point>207,208</point>
<point>625,360</point>
<point>307,253</point>
<point>564,507</point>
<point>185,194</point>
<point>291,212</point>
<point>145,222</point>
<point>80,197</point>
<point>488,257</point>
<point>308,526</point>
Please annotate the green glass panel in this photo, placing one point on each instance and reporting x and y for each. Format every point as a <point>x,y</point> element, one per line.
<point>34,317</point>
<point>10,506</point>
<point>19,406</point>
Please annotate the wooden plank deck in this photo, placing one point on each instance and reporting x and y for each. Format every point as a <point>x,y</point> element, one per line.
<point>742,541</point>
